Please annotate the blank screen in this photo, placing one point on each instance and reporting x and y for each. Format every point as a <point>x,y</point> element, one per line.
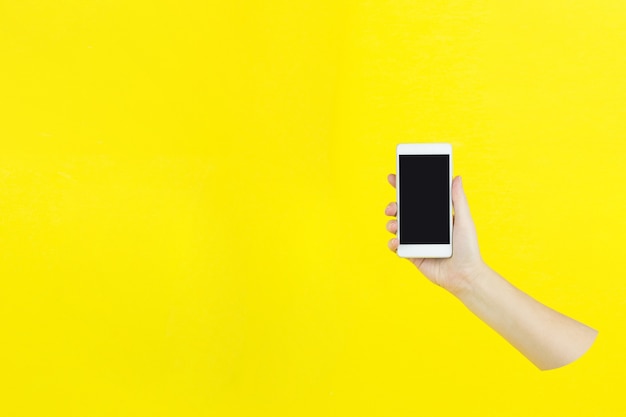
<point>424,199</point>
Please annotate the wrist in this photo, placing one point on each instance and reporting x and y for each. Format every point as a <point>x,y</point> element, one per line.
<point>469,278</point>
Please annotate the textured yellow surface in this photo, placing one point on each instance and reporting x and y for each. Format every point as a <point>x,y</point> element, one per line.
<point>192,195</point>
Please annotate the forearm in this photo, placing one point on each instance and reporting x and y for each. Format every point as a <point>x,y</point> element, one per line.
<point>546,337</point>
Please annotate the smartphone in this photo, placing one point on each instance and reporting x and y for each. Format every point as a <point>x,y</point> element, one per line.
<point>424,196</point>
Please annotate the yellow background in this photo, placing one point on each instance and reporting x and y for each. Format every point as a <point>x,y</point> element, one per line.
<point>192,196</point>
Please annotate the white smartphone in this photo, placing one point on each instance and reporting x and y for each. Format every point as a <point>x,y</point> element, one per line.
<point>424,196</point>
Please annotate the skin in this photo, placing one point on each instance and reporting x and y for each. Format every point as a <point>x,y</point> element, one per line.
<point>546,337</point>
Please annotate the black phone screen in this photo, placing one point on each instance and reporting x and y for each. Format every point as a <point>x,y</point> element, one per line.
<point>424,201</point>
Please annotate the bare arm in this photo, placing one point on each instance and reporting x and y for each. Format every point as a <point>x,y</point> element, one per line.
<point>546,337</point>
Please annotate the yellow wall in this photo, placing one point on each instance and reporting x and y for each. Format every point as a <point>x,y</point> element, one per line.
<point>192,196</point>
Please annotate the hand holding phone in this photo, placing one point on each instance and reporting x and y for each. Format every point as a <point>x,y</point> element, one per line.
<point>547,338</point>
<point>450,272</point>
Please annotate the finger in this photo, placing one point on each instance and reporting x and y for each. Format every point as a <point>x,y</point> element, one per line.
<point>392,226</point>
<point>393,244</point>
<point>392,180</point>
<point>391,209</point>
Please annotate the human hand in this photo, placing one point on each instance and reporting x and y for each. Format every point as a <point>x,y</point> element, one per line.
<point>456,273</point>
<point>546,337</point>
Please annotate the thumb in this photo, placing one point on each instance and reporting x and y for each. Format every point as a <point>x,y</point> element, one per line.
<point>462,216</point>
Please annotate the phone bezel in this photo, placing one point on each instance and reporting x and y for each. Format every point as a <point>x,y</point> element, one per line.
<point>443,250</point>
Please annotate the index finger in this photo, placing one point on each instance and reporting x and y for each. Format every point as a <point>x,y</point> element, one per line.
<point>392,180</point>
